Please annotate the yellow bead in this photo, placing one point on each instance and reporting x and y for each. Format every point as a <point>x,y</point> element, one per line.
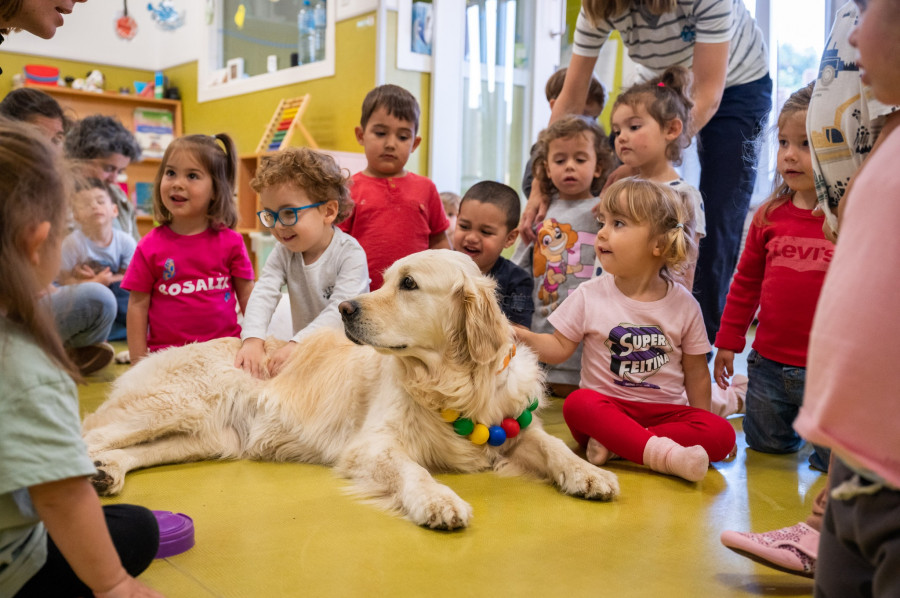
<point>480,434</point>
<point>449,415</point>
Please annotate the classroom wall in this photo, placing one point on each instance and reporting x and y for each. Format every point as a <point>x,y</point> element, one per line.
<point>335,102</point>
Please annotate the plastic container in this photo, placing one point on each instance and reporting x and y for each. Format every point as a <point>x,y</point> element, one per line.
<point>176,533</point>
<point>262,245</point>
<point>306,29</point>
<point>41,74</point>
<point>321,22</point>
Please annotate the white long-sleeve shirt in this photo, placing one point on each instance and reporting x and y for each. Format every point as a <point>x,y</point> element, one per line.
<point>314,290</point>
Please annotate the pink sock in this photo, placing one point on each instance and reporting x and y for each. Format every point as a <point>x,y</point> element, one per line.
<point>667,456</point>
<point>598,454</point>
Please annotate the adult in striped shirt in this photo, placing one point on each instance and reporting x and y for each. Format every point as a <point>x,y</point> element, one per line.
<point>719,41</point>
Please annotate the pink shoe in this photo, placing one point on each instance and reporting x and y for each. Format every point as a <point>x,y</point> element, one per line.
<point>789,549</point>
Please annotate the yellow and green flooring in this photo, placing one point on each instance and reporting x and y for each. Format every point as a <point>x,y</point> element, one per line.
<point>267,530</point>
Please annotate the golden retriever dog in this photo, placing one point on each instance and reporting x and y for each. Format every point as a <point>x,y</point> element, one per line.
<point>371,402</point>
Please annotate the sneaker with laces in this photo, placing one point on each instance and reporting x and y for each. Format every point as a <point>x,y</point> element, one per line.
<point>92,358</point>
<point>790,549</point>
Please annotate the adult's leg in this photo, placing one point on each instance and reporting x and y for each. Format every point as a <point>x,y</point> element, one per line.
<point>84,313</point>
<point>135,534</point>
<point>727,176</point>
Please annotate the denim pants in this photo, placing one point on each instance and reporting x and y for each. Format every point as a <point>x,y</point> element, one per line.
<point>84,313</point>
<point>727,175</point>
<point>774,397</point>
<point>117,333</point>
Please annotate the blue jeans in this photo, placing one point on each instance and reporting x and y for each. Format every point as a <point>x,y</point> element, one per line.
<point>727,176</point>
<point>774,397</point>
<point>117,333</point>
<point>84,313</point>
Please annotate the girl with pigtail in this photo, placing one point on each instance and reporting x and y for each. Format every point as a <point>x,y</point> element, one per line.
<point>651,125</point>
<point>645,387</point>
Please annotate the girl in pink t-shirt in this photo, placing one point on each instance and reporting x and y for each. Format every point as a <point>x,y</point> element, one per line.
<point>644,341</point>
<point>189,274</point>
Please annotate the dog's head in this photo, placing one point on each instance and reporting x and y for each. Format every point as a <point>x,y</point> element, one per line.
<point>434,305</point>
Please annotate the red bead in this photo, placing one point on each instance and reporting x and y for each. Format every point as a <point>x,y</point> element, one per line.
<point>511,427</point>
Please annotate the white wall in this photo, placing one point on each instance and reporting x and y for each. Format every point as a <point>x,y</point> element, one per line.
<point>89,36</point>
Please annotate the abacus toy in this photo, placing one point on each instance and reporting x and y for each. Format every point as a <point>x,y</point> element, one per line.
<point>281,128</point>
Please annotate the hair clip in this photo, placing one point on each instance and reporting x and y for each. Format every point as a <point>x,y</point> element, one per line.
<point>660,84</point>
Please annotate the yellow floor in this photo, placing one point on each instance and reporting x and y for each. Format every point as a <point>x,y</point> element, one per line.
<point>266,529</point>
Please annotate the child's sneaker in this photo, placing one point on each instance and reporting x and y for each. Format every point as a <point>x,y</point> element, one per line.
<point>790,549</point>
<point>123,357</point>
<point>91,358</point>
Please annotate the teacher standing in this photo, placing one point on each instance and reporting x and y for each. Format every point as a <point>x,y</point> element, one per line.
<point>721,44</point>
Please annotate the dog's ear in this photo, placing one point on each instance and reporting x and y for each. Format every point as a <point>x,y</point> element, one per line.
<point>486,328</point>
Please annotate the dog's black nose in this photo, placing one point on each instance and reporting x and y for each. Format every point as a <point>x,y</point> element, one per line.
<point>348,309</point>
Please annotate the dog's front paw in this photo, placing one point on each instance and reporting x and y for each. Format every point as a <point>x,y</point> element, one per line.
<point>109,479</point>
<point>589,481</point>
<point>439,508</point>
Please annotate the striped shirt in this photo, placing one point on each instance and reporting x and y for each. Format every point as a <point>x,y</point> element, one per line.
<point>658,42</point>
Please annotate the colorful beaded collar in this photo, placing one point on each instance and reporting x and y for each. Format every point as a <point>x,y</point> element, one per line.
<point>493,435</point>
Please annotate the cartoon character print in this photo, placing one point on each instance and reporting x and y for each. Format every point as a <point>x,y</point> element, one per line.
<point>638,352</point>
<point>553,252</point>
<point>169,269</point>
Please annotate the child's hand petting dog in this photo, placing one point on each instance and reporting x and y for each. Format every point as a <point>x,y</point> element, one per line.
<point>251,357</point>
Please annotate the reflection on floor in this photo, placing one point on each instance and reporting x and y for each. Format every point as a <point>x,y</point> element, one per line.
<point>265,529</point>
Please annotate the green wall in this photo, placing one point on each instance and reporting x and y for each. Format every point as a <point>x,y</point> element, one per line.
<point>335,102</point>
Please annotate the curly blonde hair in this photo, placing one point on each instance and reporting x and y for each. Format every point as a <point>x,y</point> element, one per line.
<point>669,214</point>
<point>317,173</point>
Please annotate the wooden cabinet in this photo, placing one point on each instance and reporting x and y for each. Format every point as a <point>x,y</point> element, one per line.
<point>79,104</point>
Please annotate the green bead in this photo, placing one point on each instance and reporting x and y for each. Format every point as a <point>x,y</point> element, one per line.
<point>524,419</point>
<point>464,426</point>
<point>534,404</point>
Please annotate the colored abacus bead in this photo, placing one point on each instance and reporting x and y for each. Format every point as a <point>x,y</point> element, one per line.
<point>463,426</point>
<point>480,434</point>
<point>511,427</point>
<point>496,436</point>
<point>449,415</point>
<point>524,419</point>
<point>534,404</point>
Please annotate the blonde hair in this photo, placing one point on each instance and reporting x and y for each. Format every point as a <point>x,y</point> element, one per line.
<point>316,173</point>
<point>601,10</point>
<point>220,162</point>
<point>665,98</point>
<point>797,102</point>
<point>570,126</point>
<point>32,191</point>
<point>669,214</point>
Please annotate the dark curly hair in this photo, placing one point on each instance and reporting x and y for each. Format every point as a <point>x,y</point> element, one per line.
<point>571,126</point>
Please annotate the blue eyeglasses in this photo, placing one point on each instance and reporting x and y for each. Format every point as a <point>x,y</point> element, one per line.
<point>286,216</point>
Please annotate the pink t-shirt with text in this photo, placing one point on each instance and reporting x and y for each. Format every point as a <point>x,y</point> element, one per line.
<point>189,279</point>
<point>632,349</point>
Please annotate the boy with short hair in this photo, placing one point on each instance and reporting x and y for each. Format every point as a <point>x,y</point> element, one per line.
<point>592,109</point>
<point>397,212</point>
<point>487,224</point>
<point>96,251</point>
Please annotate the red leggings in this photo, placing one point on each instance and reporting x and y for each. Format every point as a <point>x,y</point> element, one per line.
<point>624,427</point>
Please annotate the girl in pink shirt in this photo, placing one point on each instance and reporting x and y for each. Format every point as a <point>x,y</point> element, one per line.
<point>644,341</point>
<point>188,275</point>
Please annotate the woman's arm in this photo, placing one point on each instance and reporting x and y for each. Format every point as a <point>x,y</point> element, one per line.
<point>696,381</point>
<point>71,511</point>
<point>574,92</point>
<point>709,69</point>
<point>136,324</point>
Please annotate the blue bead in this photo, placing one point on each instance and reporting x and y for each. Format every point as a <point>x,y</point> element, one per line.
<point>497,436</point>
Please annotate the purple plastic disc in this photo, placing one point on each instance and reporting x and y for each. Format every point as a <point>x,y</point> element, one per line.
<point>176,533</point>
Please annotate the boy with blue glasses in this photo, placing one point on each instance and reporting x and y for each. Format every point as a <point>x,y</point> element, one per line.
<point>303,194</point>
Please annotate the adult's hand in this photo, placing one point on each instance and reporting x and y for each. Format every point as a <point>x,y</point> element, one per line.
<point>535,210</point>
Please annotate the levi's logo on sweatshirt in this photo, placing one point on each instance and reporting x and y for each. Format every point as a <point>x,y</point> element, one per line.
<point>801,253</point>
